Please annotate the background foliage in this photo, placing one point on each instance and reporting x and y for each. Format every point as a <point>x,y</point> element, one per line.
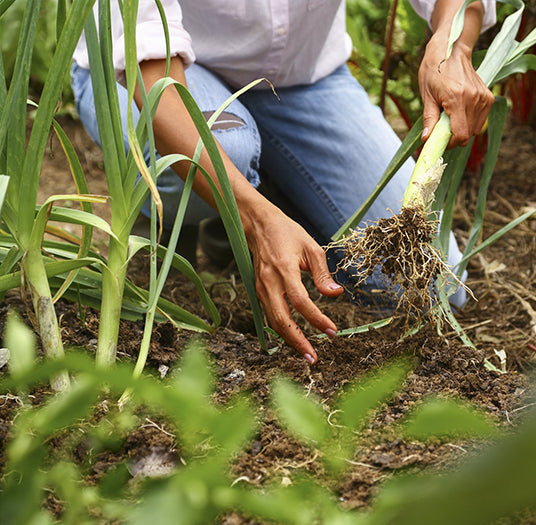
<point>10,24</point>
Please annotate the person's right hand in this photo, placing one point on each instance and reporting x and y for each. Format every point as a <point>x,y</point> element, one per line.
<point>281,249</point>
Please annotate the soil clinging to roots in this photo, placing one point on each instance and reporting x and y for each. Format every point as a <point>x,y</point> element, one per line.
<point>401,247</point>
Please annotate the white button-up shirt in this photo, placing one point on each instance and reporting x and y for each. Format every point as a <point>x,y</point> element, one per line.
<point>290,42</point>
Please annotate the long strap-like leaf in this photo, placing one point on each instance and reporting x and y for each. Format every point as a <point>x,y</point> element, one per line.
<point>5,5</point>
<point>497,120</point>
<point>458,169</point>
<point>61,62</point>
<point>502,46</point>
<point>106,125</point>
<point>4,182</point>
<point>13,117</point>
<point>107,53</point>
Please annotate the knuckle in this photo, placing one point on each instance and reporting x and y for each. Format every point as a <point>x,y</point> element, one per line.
<point>323,279</point>
<point>318,252</point>
<point>264,274</point>
<point>463,140</point>
<point>456,91</point>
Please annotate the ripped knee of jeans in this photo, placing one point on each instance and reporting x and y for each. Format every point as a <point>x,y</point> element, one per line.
<point>224,121</point>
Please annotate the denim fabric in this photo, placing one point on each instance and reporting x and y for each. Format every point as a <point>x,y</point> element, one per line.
<point>241,144</point>
<point>320,150</point>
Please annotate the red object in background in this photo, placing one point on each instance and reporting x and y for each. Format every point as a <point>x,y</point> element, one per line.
<point>521,91</point>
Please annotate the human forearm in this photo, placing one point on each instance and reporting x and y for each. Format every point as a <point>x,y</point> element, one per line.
<point>175,131</point>
<point>443,15</point>
<point>281,248</point>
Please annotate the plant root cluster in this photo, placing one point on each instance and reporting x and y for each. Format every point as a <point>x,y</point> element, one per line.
<point>400,246</point>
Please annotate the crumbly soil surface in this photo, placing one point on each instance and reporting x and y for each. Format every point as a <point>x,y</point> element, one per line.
<point>503,319</point>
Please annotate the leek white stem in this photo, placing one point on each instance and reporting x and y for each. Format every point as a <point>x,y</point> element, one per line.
<point>429,167</point>
<point>49,329</point>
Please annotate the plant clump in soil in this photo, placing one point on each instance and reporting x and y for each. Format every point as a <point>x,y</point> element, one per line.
<point>410,267</point>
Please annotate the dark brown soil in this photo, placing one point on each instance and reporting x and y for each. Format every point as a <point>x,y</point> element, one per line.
<point>503,319</point>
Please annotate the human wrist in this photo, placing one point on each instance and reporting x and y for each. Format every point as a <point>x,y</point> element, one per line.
<point>253,208</point>
<point>437,46</point>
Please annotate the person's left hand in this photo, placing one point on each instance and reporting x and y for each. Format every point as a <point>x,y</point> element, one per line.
<point>453,85</point>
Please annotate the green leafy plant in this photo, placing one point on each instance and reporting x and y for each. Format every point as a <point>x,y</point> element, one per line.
<point>70,268</point>
<point>44,45</point>
<point>22,163</point>
<point>193,494</point>
<point>520,88</point>
<point>128,192</point>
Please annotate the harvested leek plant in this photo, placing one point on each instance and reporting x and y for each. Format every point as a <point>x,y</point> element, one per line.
<point>402,245</point>
<point>405,247</point>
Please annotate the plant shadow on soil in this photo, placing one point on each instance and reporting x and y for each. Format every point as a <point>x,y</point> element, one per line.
<point>503,319</point>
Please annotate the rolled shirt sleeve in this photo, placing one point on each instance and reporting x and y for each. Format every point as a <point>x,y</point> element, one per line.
<point>425,8</point>
<point>150,36</point>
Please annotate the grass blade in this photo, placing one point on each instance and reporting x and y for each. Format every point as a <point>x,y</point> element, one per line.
<point>4,183</point>
<point>361,329</point>
<point>497,235</point>
<point>105,124</point>
<point>456,171</point>
<point>502,46</point>
<point>5,5</point>
<point>519,65</point>
<point>61,15</point>
<point>82,188</point>
<point>13,122</point>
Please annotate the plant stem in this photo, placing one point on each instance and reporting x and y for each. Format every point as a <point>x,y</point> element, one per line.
<point>387,58</point>
<point>429,167</point>
<point>113,283</point>
<point>49,329</point>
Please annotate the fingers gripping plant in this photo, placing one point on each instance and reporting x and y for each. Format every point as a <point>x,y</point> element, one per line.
<point>405,246</point>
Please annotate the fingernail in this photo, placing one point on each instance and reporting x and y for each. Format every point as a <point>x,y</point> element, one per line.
<point>334,286</point>
<point>330,332</point>
<point>309,358</point>
<point>424,133</point>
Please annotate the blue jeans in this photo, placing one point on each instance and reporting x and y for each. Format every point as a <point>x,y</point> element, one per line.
<point>317,151</point>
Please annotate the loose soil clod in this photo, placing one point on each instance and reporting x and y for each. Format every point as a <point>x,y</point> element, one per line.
<point>401,247</point>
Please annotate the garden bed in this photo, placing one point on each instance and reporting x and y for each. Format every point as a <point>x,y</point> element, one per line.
<point>502,324</point>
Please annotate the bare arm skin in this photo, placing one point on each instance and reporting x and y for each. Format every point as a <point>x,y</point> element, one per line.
<point>453,84</point>
<point>281,248</point>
